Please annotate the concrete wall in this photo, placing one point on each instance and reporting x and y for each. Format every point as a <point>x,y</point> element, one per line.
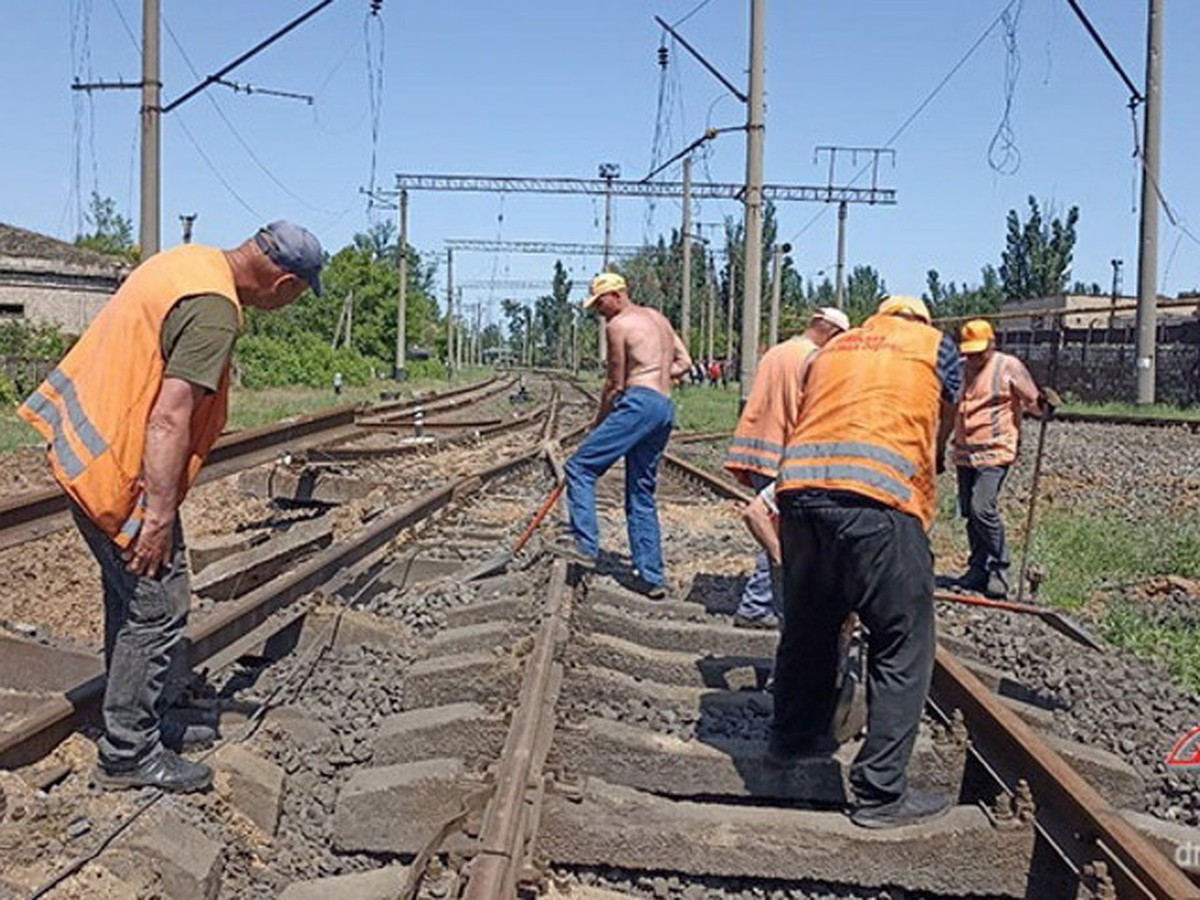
<point>1098,365</point>
<point>68,300</point>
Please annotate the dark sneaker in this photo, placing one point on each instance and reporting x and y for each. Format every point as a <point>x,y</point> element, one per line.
<point>165,770</point>
<point>651,591</point>
<point>913,807</point>
<point>768,622</point>
<point>779,757</point>
<point>184,738</point>
<point>972,580</point>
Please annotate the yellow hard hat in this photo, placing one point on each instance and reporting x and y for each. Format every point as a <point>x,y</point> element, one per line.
<point>976,335</point>
<point>913,306</point>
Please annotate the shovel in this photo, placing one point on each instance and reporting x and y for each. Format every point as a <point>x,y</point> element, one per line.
<point>1053,401</point>
<point>498,563</point>
<point>1056,620</point>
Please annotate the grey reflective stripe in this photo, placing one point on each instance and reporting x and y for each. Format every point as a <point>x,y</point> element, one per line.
<point>83,426</point>
<point>750,443</point>
<point>862,450</point>
<point>41,406</point>
<point>134,523</point>
<point>746,460</point>
<point>818,471</point>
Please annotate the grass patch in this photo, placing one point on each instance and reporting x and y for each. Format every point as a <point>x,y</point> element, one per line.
<point>14,433</point>
<point>1176,647</point>
<point>706,409</point>
<point>1154,411</point>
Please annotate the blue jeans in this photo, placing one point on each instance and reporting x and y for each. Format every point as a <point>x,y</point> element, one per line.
<point>636,428</point>
<point>762,595</point>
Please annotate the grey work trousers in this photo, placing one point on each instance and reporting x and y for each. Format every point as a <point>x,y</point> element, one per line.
<point>978,501</point>
<point>144,620</point>
<point>843,554</point>
<point>762,596</point>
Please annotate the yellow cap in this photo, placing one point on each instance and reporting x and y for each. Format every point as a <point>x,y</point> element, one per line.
<point>976,335</point>
<point>604,283</point>
<point>913,306</point>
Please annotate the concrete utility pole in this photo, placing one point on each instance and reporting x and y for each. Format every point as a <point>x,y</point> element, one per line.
<point>459,328</point>
<point>755,128</point>
<point>1116,289</point>
<point>776,291</point>
<point>685,301</point>
<point>730,270</point>
<point>840,296</point>
<point>450,311</point>
<point>148,232</point>
<point>399,367</point>
<point>187,220</point>
<point>711,276</point>
<point>609,172</point>
<point>1147,304</point>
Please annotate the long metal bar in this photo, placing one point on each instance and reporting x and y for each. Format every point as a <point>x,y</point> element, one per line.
<point>565,248</point>
<point>701,190</point>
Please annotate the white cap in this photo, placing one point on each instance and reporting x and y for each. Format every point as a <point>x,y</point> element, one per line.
<point>833,316</point>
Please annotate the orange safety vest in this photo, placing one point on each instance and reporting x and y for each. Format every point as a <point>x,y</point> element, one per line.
<point>868,420</point>
<point>771,408</point>
<point>93,408</point>
<point>987,429</point>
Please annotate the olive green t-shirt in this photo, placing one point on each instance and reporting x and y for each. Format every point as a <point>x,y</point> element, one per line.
<point>197,339</point>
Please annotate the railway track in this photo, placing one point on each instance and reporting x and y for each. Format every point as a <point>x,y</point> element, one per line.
<point>542,728</point>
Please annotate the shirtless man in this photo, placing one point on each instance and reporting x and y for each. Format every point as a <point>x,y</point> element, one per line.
<point>634,421</point>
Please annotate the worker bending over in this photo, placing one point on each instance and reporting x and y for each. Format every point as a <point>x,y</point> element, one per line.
<point>856,497</point>
<point>757,444</point>
<point>987,434</point>
<point>634,421</point>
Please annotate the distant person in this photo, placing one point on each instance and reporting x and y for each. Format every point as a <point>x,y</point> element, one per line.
<point>130,414</point>
<point>757,444</point>
<point>987,434</point>
<point>634,421</point>
<point>337,383</point>
<point>856,496</point>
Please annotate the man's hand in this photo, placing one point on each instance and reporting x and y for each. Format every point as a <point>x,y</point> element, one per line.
<point>151,550</point>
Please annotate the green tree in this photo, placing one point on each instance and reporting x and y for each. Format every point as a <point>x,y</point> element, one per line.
<point>865,287</point>
<point>111,233</point>
<point>951,300</point>
<point>1037,258</point>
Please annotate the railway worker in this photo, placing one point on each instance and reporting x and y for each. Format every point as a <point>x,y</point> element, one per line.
<point>130,414</point>
<point>757,445</point>
<point>987,432</point>
<point>856,498</point>
<point>634,421</point>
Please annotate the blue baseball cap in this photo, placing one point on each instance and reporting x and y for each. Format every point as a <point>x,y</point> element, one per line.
<point>294,249</point>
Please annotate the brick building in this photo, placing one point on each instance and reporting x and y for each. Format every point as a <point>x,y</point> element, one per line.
<point>47,280</point>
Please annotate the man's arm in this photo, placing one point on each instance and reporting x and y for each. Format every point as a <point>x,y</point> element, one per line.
<point>681,364</point>
<point>614,380</point>
<point>949,371</point>
<point>168,436</point>
<point>757,517</point>
<point>1024,388</point>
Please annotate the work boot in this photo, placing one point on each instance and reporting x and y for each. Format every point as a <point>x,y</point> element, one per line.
<point>997,585</point>
<point>915,806</point>
<point>648,590</point>
<point>165,770</point>
<point>186,737</point>
<point>974,581</point>
<point>768,622</point>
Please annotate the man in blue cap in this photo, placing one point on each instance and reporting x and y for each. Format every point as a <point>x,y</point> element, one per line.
<point>130,414</point>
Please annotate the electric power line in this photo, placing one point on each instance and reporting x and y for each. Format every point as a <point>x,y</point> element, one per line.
<point>695,9</point>
<point>216,172</point>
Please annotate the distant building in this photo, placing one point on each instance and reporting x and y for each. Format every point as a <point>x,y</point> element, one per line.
<point>1093,312</point>
<point>44,280</point>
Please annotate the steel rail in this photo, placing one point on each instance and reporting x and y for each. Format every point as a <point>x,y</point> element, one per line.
<point>34,514</point>
<point>47,725</point>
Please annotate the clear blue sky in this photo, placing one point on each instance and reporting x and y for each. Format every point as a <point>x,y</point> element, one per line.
<point>550,87</point>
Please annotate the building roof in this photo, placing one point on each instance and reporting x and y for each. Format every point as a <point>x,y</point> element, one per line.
<point>44,253</point>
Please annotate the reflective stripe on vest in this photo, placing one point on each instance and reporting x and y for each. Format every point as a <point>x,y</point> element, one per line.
<point>827,471</point>
<point>756,444</point>
<point>861,449</point>
<point>84,429</point>
<point>132,525</point>
<point>43,407</point>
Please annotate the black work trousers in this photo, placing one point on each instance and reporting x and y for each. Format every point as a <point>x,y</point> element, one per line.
<point>843,553</point>
<point>978,501</point>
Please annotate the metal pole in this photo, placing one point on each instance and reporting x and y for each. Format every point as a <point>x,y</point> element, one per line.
<point>776,293</point>
<point>752,256</point>
<point>450,312</point>
<point>1147,312</point>
<point>148,234</point>
<point>840,296</point>
<point>462,332</point>
<point>729,313</point>
<point>188,221</point>
<point>685,302</point>
<point>1116,290</point>
<point>399,369</point>
<point>603,341</point>
<point>711,275</point>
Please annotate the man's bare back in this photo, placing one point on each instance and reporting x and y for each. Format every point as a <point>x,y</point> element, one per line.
<point>644,350</point>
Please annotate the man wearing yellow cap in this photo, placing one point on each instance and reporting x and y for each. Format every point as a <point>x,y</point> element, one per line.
<point>856,497</point>
<point>633,421</point>
<point>987,431</point>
